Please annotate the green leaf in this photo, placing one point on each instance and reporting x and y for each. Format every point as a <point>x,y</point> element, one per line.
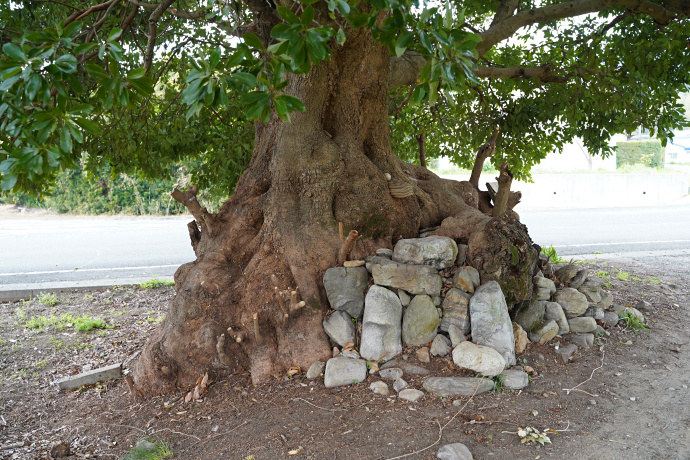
<point>7,84</point>
<point>114,35</point>
<point>8,181</point>
<point>340,36</point>
<point>343,7</point>
<point>96,72</point>
<point>33,86</point>
<point>214,58</point>
<point>256,102</point>
<point>403,41</point>
<point>40,36</point>
<point>89,126</point>
<point>66,63</point>
<point>292,103</point>
<point>288,15</point>
<point>143,86</point>
<point>136,74</point>
<point>253,41</point>
<point>84,48</point>
<point>72,28</point>
<point>14,52</point>
<point>307,16</point>
<point>65,139</point>
<point>358,20</point>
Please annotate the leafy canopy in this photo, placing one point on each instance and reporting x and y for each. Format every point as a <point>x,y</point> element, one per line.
<point>140,86</point>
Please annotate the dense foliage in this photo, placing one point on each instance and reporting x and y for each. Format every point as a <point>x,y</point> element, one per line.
<point>139,87</point>
<point>647,153</point>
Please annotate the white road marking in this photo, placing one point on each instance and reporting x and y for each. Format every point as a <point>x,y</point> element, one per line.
<point>90,270</point>
<point>619,243</point>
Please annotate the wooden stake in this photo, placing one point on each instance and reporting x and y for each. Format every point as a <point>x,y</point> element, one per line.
<point>257,332</point>
<point>347,246</point>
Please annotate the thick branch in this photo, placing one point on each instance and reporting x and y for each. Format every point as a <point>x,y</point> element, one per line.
<point>404,69</point>
<point>484,152</point>
<point>153,30</point>
<point>422,152</point>
<point>544,73</point>
<point>205,220</point>
<point>504,29</point>
<point>505,179</point>
<point>504,11</point>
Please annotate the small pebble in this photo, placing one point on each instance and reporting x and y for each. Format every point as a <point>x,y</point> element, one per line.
<point>633,399</point>
<point>593,402</point>
<point>685,386</point>
<point>671,389</point>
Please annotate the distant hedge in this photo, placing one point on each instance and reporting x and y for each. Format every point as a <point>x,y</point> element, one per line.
<point>647,153</point>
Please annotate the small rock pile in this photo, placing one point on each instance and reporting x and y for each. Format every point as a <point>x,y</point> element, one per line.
<point>424,296</point>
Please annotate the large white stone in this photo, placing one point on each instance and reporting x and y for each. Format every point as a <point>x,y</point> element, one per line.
<point>491,324</point>
<point>573,302</point>
<point>437,251</point>
<point>381,325</point>
<point>340,328</point>
<point>344,371</point>
<point>479,358</point>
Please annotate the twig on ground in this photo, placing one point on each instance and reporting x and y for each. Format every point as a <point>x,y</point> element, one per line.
<point>568,390</point>
<point>440,429</point>
<point>319,407</point>
<point>213,437</point>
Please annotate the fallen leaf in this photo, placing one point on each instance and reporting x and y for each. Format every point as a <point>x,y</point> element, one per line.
<point>294,451</point>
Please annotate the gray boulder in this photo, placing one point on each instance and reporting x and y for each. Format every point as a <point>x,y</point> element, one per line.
<point>606,300</point>
<point>345,289</point>
<point>554,312</point>
<point>591,288</point>
<point>457,451</point>
<point>384,252</point>
<point>579,279</point>
<point>531,315</point>
<point>491,324</point>
<point>340,328</point>
<point>391,373</point>
<point>415,279</point>
<point>436,251</point>
<point>566,272</point>
<point>611,318</point>
<point>420,321</point>
<point>514,379</point>
<point>399,384</point>
<point>566,352</point>
<point>544,287</point>
<point>479,358</point>
<point>410,394</point>
<point>381,325</point>
<point>594,311</point>
<point>545,333</point>
<point>584,341</point>
<point>440,346</point>
<point>344,371</point>
<point>404,298</point>
<point>582,324</point>
<point>464,386</point>
<point>379,388</point>
<point>466,279</point>
<point>456,310</point>
<point>315,370</point>
<point>573,302</point>
<point>456,336</point>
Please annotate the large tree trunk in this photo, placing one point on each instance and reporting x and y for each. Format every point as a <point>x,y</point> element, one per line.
<point>329,165</point>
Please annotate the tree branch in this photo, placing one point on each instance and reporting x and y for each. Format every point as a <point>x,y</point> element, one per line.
<point>544,73</point>
<point>504,29</point>
<point>153,30</point>
<point>505,179</point>
<point>484,152</point>
<point>403,70</point>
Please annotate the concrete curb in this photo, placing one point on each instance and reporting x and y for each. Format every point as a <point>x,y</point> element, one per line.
<point>14,295</point>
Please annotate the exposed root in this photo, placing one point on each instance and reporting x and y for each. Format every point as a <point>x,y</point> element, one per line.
<point>257,331</point>
<point>204,219</point>
<point>505,179</point>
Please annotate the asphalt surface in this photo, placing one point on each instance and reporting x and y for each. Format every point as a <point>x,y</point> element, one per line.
<point>52,252</point>
<point>56,252</point>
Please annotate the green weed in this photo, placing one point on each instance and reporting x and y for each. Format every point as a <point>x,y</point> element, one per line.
<point>498,383</point>
<point>603,275</point>
<point>86,323</point>
<point>154,283</point>
<point>623,276</point>
<point>20,313</point>
<point>550,252</point>
<point>65,321</point>
<point>633,322</point>
<point>161,451</point>
<point>88,297</point>
<point>49,300</point>
<point>158,319</point>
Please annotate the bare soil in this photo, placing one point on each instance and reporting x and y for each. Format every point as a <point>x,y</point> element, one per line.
<point>632,407</point>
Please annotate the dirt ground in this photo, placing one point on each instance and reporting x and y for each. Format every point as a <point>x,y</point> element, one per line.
<point>632,407</point>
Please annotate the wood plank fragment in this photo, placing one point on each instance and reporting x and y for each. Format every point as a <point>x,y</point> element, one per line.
<point>92,376</point>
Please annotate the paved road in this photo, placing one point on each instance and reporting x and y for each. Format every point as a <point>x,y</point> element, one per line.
<point>620,232</point>
<point>72,251</point>
<point>55,251</point>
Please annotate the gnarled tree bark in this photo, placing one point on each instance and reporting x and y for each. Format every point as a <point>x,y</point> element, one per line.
<point>280,230</point>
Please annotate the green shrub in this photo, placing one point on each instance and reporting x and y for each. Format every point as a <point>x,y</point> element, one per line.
<point>550,252</point>
<point>647,153</point>
<point>86,323</point>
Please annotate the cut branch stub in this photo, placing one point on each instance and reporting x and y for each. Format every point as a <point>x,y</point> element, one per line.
<point>188,199</point>
<point>347,245</point>
<point>505,179</point>
<point>484,152</point>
